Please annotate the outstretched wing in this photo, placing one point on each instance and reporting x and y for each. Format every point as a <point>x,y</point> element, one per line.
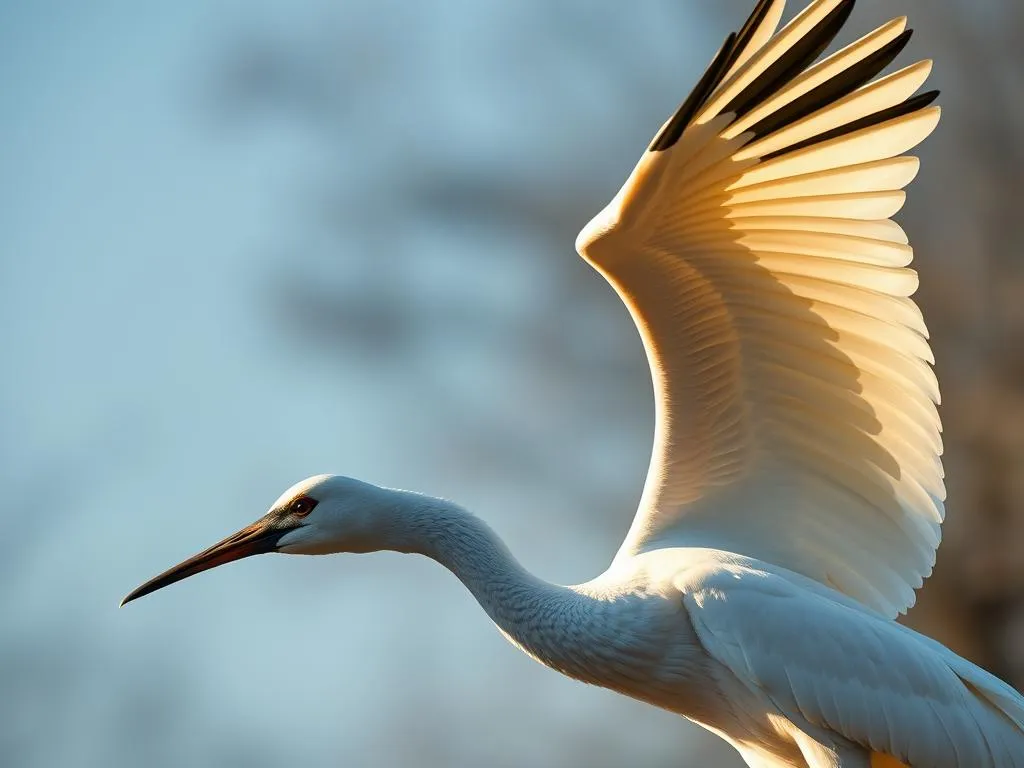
<point>796,415</point>
<point>846,672</point>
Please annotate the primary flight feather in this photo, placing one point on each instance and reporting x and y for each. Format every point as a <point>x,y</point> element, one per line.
<point>795,404</point>
<point>795,494</point>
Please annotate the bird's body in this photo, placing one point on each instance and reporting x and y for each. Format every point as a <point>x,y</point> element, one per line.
<point>778,664</point>
<point>795,494</point>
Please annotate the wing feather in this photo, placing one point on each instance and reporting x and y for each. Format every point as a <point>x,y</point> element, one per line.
<point>756,32</point>
<point>789,51</point>
<point>829,79</point>
<point>875,142</point>
<point>879,176</point>
<point>795,399</point>
<point>839,669</point>
<point>884,230</point>
<point>881,94</point>
<point>869,206</point>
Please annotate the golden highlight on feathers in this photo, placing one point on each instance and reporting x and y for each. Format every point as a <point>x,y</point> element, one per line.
<point>754,248</point>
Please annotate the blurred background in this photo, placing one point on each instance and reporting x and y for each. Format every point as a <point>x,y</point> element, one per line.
<point>242,243</point>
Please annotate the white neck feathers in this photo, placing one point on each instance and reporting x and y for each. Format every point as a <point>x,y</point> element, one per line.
<point>573,630</point>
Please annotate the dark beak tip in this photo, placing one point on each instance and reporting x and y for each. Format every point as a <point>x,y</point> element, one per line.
<point>133,595</point>
<point>255,540</point>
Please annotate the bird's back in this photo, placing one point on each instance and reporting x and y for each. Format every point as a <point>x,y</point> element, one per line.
<point>762,655</point>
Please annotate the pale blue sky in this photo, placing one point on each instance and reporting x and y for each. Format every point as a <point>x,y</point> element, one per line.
<point>427,165</point>
<point>154,401</point>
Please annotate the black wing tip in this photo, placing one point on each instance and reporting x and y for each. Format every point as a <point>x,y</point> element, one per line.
<point>911,105</point>
<point>895,47</point>
<point>801,55</point>
<point>921,101</point>
<point>793,61</point>
<point>843,10</point>
<point>750,26</point>
<point>710,80</point>
<point>833,89</point>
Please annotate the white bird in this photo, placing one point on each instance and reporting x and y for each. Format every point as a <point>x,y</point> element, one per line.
<point>795,493</point>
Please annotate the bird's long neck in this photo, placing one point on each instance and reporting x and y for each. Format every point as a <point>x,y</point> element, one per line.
<point>554,624</point>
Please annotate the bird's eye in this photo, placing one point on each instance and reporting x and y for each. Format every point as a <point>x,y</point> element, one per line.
<point>301,506</point>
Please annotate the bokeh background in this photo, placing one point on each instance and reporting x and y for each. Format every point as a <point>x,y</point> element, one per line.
<point>245,242</point>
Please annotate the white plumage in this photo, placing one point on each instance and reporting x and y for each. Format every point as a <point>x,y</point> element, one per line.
<point>795,493</point>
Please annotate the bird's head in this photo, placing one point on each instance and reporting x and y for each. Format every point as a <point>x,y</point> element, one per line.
<point>320,515</point>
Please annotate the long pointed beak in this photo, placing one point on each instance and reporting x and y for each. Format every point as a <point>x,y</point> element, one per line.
<point>256,539</point>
